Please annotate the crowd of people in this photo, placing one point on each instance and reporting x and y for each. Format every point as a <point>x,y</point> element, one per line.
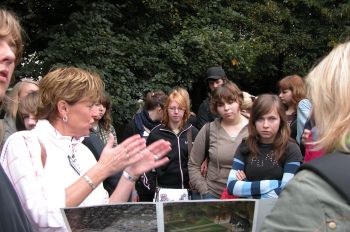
<point>60,149</point>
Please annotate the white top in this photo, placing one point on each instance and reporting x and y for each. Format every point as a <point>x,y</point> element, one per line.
<point>42,190</point>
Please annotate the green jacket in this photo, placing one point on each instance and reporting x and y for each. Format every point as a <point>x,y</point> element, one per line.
<point>308,203</point>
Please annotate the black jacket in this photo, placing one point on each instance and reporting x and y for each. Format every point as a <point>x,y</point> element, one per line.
<point>174,174</point>
<point>204,114</point>
<point>12,216</point>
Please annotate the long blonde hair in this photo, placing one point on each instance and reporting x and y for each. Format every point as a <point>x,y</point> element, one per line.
<point>13,98</point>
<point>328,87</point>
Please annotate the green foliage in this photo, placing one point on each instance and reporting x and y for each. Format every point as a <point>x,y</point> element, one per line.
<point>144,45</point>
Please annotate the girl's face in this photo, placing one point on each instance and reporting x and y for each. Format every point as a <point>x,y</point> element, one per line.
<point>96,112</point>
<point>286,96</point>
<point>175,112</point>
<point>102,110</point>
<point>29,120</point>
<point>228,109</point>
<point>267,126</point>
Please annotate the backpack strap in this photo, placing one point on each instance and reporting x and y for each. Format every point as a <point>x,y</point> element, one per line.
<point>334,169</point>
<point>189,140</point>
<point>207,140</point>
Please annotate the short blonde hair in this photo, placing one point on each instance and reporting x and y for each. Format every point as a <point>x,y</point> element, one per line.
<point>69,84</point>
<point>9,24</point>
<point>328,87</point>
<point>181,96</point>
<point>247,103</point>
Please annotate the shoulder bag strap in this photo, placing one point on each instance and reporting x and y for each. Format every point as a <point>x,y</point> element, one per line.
<point>207,140</point>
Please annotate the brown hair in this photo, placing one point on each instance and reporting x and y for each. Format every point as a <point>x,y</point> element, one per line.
<point>295,84</point>
<point>261,106</point>
<point>155,99</point>
<point>29,103</point>
<point>106,121</point>
<point>69,84</point>
<point>229,91</point>
<point>10,23</point>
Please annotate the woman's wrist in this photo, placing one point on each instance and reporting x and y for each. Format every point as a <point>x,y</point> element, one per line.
<point>103,170</point>
<point>129,176</point>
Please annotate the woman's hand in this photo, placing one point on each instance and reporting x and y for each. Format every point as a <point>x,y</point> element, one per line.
<point>115,159</point>
<point>305,136</point>
<point>151,157</point>
<point>240,175</point>
<point>204,167</point>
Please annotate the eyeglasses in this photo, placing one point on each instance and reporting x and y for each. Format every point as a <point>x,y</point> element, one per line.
<point>173,109</point>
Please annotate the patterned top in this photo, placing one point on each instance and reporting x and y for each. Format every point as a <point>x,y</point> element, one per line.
<point>104,135</point>
<point>266,176</point>
<point>42,190</point>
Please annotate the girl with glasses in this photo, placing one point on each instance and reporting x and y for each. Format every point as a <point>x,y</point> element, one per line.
<point>176,130</point>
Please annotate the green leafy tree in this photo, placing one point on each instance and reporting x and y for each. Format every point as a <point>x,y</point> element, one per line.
<point>144,45</point>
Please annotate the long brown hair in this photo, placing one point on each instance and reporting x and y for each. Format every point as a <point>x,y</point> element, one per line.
<point>295,84</point>
<point>106,120</point>
<point>263,105</point>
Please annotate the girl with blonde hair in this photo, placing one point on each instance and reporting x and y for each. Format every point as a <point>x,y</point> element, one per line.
<point>175,129</point>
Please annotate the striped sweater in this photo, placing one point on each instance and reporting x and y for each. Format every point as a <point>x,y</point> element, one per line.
<point>261,185</point>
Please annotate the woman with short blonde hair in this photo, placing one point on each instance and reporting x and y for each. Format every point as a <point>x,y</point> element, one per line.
<point>50,166</point>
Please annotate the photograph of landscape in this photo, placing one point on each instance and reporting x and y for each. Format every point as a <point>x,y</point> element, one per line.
<point>209,216</point>
<point>111,218</point>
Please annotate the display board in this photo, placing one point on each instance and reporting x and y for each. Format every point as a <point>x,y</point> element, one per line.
<point>200,215</point>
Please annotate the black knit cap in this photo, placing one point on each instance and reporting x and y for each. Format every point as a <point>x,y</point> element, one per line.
<point>215,73</point>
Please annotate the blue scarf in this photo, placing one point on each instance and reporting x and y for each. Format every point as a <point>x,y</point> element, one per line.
<point>142,119</point>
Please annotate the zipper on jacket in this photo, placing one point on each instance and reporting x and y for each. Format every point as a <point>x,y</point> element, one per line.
<point>179,151</point>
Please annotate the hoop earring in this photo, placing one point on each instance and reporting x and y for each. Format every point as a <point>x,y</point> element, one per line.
<point>65,118</point>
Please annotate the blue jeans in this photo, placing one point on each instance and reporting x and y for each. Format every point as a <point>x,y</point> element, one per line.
<point>198,196</point>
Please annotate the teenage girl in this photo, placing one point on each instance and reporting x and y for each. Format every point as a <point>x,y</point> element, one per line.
<point>267,159</point>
